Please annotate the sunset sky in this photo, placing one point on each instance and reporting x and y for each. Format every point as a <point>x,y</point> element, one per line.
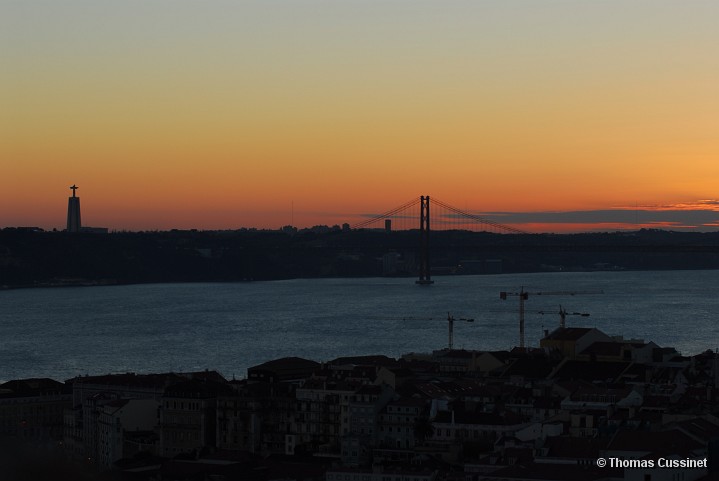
<point>549,115</point>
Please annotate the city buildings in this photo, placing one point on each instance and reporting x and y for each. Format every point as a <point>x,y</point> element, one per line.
<point>541,414</point>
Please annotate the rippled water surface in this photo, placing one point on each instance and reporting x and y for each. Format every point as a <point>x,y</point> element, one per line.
<point>63,332</point>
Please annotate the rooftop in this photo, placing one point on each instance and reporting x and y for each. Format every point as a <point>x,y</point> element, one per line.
<point>656,443</point>
<point>568,333</point>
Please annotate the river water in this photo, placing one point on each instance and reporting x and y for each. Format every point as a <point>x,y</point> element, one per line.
<point>65,332</point>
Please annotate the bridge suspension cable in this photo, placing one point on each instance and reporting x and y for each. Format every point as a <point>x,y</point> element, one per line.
<point>387,215</point>
<point>444,217</point>
<point>477,218</point>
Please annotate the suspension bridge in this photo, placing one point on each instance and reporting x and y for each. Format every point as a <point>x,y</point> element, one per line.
<point>444,216</point>
<point>415,214</point>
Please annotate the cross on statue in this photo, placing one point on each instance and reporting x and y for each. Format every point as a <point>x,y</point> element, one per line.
<point>74,188</point>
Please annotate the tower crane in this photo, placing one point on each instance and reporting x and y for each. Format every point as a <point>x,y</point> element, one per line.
<point>523,296</point>
<point>450,327</point>
<point>563,315</point>
<point>450,324</point>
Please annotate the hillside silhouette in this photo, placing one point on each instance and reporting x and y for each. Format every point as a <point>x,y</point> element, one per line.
<point>32,257</point>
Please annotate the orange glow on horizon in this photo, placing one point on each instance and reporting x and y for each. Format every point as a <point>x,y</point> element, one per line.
<point>216,117</point>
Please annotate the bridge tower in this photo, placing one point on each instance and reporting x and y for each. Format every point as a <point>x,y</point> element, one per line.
<point>424,270</point>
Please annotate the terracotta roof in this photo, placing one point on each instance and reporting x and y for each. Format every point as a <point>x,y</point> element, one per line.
<point>32,387</point>
<point>658,443</point>
<point>604,348</point>
<point>574,447</point>
<point>531,368</point>
<point>455,354</point>
<point>698,428</point>
<point>590,370</point>
<point>287,363</point>
<point>331,385</point>
<point>568,333</point>
<point>371,360</point>
<point>499,355</point>
<point>156,381</point>
<point>555,472</point>
<point>198,389</point>
<point>636,371</point>
<point>443,388</point>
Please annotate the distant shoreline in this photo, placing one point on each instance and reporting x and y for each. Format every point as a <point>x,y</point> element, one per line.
<point>108,283</point>
<point>30,258</point>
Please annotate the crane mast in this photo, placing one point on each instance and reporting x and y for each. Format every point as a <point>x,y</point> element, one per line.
<point>524,295</point>
<point>450,328</point>
<point>563,315</point>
